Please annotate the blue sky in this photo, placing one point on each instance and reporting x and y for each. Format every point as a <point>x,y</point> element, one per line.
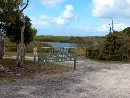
<point>78,17</point>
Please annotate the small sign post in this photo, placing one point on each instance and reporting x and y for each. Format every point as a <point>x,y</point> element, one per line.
<point>74,64</point>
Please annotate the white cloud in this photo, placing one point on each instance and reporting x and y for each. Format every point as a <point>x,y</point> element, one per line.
<point>106,27</point>
<point>120,26</point>
<point>66,15</point>
<point>103,29</point>
<point>69,7</point>
<point>51,3</point>
<point>111,8</point>
<point>41,21</point>
<point>59,21</point>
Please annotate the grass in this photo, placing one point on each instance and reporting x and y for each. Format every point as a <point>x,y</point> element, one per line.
<point>9,54</point>
<point>72,39</point>
<point>29,70</point>
<point>12,47</point>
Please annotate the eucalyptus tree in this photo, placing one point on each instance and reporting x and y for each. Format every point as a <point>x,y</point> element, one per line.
<point>13,31</point>
<point>20,6</point>
<point>10,10</point>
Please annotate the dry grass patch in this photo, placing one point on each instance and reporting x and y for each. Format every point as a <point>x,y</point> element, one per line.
<point>29,70</point>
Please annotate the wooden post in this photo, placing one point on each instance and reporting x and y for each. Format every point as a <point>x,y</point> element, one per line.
<point>35,54</point>
<point>74,64</point>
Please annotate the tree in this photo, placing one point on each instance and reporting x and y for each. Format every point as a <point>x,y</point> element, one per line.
<point>7,11</point>
<point>7,17</point>
<point>21,48</point>
<point>4,17</point>
<point>13,31</point>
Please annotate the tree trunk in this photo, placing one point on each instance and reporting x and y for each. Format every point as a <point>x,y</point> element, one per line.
<point>1,46</point>
<point>20,55</point>
<point>21,48</point>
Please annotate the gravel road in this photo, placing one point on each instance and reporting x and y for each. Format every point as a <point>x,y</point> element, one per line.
<point>91,80</point>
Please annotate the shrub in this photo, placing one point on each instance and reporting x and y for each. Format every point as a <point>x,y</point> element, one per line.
<point>114,48</point>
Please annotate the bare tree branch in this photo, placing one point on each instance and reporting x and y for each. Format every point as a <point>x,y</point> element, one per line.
<point>25,6</point>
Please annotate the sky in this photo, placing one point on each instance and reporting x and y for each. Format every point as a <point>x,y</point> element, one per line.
<point>78,17</point>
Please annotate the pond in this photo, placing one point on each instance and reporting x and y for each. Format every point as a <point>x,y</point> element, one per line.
<point>59,44</point>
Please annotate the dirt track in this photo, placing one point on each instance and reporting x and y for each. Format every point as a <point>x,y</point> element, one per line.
<point>91,80</point>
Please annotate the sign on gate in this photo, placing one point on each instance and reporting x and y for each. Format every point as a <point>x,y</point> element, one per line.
<point>58,57</point>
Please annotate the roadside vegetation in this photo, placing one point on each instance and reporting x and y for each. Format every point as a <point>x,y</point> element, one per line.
<point>114,47</point>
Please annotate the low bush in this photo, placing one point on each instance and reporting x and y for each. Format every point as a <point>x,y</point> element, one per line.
<point>113,48</point>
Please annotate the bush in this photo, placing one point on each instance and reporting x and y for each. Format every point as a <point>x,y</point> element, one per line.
<point>114,48</point>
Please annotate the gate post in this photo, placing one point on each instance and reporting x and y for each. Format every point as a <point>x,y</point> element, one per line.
<point>35,54</point>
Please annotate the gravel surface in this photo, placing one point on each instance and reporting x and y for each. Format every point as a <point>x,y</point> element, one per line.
<point>91,80</point>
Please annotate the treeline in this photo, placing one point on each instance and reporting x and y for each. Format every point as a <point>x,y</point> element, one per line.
<point>114,47</point>
<point>70,39</point>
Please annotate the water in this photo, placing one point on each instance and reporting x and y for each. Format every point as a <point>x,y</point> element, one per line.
<point>59,44</point>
